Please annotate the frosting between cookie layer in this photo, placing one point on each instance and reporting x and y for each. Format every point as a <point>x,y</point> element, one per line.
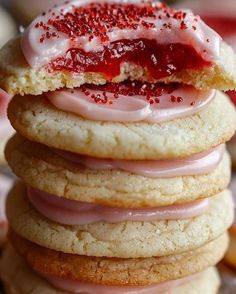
<point>70,212</point>
<point>197,164</point>
<point>102,104</point>
<point>44,40</point>
<point>89,288</point>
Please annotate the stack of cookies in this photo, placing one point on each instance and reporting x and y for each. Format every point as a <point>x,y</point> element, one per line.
<point>120,151</point>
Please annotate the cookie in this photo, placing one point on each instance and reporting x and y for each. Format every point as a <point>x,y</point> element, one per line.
<point>18,278</point>
<point>124,240</point>
<point>116,271</point>
<point>17,77</point>
<point>36,119</point>
<point>49,57</point>
<point>40,167</point>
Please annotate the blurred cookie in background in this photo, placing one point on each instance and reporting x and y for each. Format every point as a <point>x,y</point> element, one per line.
<point>6,131</point>
<point>5,186</point>
<point>230,257</point>
<point>7,26</point>
<point>26,10</point>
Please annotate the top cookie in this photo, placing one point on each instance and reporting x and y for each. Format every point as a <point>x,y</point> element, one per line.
<point>97,42</point>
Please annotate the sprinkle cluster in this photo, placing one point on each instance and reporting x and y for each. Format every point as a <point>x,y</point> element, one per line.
<point>98,19</point>
<point>152,92</point>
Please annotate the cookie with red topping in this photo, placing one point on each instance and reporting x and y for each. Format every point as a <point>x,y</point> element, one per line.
<point>96,42</point>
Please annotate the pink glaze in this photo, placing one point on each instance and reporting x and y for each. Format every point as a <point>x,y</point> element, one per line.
<point>70,212</point>
<point>201,163</point>
<point>5,186</point>
<point>89,288</point>
<point>132,108</point>
<point>39,54</point>
<point>4,100</point>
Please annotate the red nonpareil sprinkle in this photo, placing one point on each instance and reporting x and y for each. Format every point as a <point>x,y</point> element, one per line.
<point>151,92</point>
<point>192,103</point>
<point>179,99</point>
<point>183,25</point>
<point>172,98</point>
<point>98,19</point>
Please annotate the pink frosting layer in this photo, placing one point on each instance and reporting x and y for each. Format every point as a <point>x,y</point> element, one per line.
<point>69,212</point>
<point>4,100</point>
<point>5,186</point>
<point>132,108</point>
<point>201,163</point>
<point>39,54</point>
<point>89,288</point>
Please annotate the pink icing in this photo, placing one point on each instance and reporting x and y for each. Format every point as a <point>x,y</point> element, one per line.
<point>132,108</point>
<point>201,163</point>
<point>39,54</point>
<point>4,100</point>
<point>70,212</point>
<point>5,186</point>
<point>89,288</point>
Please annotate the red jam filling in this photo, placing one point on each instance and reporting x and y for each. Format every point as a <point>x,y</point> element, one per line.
<point>159,60</point>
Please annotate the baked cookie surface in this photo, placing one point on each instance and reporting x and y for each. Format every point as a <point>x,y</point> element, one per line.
<point>40,167</point>
<point>118,271</point>
<point>36,119</point>
<point>124,240</point>
<point>18,278</point>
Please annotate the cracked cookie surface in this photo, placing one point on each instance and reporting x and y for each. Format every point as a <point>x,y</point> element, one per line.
<point>124,240</point>
<point>36,119</point>
<point>40,167</point>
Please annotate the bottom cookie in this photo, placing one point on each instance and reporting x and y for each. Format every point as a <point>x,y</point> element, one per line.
<point>19,279</point>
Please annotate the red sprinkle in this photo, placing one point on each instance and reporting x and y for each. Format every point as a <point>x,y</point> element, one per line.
<point>152,92</point>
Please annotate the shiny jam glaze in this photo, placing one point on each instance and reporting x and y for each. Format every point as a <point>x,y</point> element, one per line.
<point>159,60</point>
<point>95,36</point>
